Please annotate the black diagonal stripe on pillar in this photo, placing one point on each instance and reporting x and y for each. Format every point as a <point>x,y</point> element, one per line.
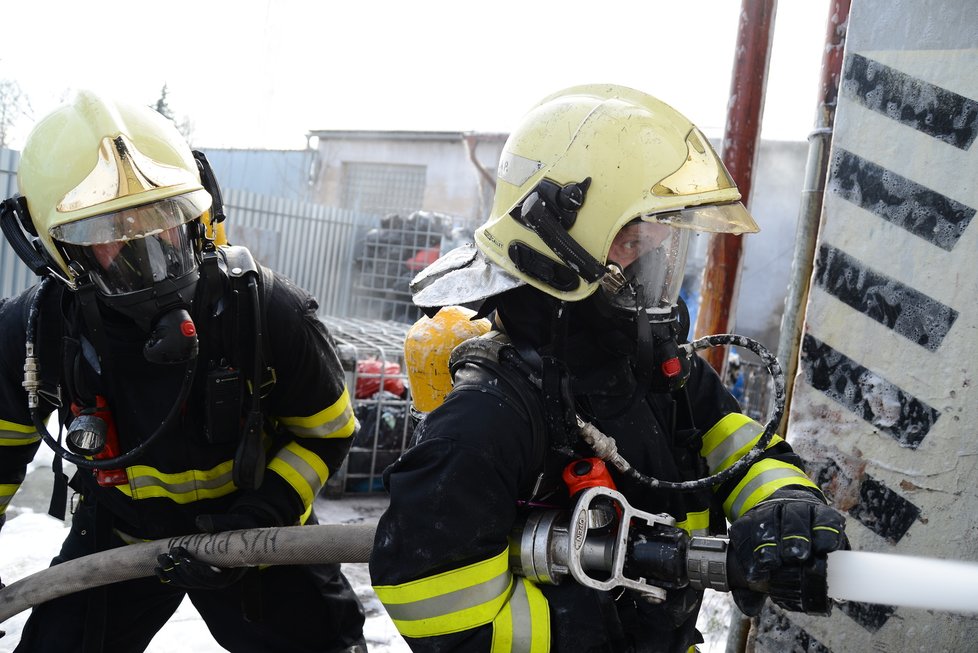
<point>776,634</point>
<point>883,511</point>
<point>935,111</point>
<point>923,212</point>
<point>877,507</point>
<point>884,405</point>
<point>909,312</point>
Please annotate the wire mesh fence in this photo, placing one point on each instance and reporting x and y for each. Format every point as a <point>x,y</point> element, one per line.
<point>390,254</point>
<point>372,355</point>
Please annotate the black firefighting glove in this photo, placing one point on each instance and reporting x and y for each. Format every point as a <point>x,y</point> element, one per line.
<point>782,542</point>
<point>182,569</point>
<point>178,567</point>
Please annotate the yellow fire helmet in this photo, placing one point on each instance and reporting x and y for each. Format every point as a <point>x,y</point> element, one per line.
<point>581,166</point>
<point>427,347</point>
<point>96,171</point>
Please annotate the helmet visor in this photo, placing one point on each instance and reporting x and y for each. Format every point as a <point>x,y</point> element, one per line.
<point>652,258</point>
<point>133,249</point>
<point>728,218</point>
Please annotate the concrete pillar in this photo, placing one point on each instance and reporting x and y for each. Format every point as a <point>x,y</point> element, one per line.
<point>885,401</point>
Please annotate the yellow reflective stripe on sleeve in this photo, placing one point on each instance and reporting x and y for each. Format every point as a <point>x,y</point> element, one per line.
<point>13,434</point>
<point>523,625</point>
<point>696,523</point>
<point>451,601</point>
<point>730,439</point>
<point>7,492</point>
<point>302,469</point>
<point>304,517</point>
<point>147,482</point>
<point>337,421</point>
<point>763,478</point>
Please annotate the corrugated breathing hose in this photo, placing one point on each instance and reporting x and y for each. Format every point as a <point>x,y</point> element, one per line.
<point>291,545</point>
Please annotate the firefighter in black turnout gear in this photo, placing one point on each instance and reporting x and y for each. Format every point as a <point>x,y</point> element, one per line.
<point>197,390</point>
<point>599,190</point>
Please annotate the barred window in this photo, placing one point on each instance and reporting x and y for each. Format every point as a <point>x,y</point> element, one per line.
<point>382,187</point>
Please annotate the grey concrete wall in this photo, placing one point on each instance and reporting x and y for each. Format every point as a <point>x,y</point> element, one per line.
<point>885,401</point>
<point>775,202</point>
<point>453,184</point>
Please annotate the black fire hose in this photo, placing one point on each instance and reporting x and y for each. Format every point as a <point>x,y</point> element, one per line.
<point>291,545</point>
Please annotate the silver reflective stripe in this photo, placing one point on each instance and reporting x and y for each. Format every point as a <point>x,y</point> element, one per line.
<point>729,446</point>
<point>182,487</point>
<point>301,467</point>
<point>22,438</point>
<point>516,169</point>
<point>324,430</point>
<point>444,604</point>
<point>736,510</point>
<point>519,607</point>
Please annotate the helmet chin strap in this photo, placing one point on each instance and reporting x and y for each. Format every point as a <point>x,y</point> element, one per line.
<point>643,330</point>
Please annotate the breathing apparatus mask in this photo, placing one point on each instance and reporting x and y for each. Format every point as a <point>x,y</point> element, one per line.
<point>142,262</point>
<point>638,286</point>
<point>641,290</point>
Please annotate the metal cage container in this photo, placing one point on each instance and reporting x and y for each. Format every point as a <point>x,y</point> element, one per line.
<point>372,355</point>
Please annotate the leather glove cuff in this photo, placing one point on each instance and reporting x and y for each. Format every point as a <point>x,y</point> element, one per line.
<point>748,601</point>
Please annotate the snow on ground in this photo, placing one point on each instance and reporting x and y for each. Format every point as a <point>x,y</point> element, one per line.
<point>31,538</point>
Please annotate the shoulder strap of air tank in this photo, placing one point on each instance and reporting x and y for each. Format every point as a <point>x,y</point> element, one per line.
<point>49,340</point>
<point>266,283</point>
<point>495,353</point>
<point>50,344</point>
<point>240,264</point>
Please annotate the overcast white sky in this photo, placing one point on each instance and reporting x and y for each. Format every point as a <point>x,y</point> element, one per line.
<point>262,73</point>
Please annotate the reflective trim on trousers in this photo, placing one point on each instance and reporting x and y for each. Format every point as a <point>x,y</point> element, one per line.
<point>451,601</point>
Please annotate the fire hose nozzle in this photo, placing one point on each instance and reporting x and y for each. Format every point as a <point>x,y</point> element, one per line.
<point>647,553</point>
<point>706,563</point>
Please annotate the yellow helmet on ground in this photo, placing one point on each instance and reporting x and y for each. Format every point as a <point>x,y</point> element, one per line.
<point>581,166</point>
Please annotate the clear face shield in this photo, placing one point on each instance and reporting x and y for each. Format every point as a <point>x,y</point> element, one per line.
<point>133,249</point>
<point>650,252</point>
<point>651,257</point>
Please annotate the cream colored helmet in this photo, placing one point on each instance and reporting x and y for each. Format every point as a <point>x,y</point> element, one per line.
<point>90,168</point>
<point>581,165</point>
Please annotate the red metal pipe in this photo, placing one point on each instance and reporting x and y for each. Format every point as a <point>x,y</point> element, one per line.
<point>740,139</point>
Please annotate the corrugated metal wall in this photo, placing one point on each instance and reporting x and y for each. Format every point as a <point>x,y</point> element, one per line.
<point>309,243</point>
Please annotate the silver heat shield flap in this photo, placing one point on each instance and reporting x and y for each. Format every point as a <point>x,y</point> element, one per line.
<point>461,276</point>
